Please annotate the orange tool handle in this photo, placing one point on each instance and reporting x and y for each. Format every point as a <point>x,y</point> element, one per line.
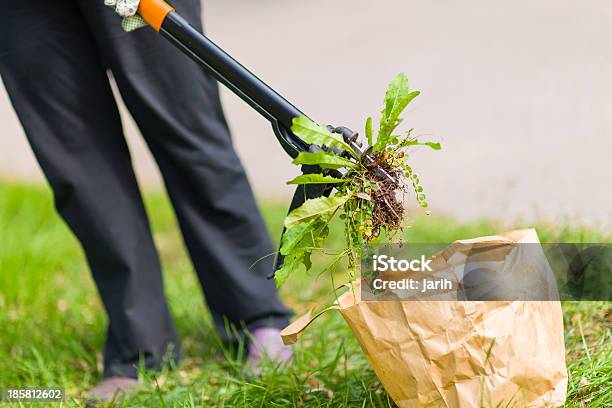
<point>154,12</point>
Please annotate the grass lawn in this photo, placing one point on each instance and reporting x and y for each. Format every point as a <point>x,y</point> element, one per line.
<point>52,323</point>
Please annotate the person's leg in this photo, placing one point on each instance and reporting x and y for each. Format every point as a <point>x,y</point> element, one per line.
<point>177,108</point>
<point>60,90</point>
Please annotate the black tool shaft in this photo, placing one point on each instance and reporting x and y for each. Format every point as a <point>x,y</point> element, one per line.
<point>228,71</point>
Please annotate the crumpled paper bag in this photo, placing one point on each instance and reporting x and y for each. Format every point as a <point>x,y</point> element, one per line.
<point>456,353</point>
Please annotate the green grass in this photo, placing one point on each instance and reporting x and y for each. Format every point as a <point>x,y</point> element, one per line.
<point>52,322</point>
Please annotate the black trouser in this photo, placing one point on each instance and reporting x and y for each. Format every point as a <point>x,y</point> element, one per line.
<point>54,57</point>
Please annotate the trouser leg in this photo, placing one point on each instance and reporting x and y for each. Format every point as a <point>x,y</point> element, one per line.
<point>177,108</point>
<point>53,74</point>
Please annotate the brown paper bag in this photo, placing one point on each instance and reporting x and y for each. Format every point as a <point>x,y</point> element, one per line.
<point>460,353</point>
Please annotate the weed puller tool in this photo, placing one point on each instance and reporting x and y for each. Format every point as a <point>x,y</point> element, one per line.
<point>164,19</point>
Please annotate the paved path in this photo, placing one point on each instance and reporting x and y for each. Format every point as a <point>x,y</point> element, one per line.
<point>519,93</point>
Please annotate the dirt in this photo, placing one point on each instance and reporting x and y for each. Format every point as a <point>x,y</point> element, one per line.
<point>388,210</point>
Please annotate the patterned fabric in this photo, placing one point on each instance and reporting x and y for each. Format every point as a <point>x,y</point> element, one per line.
<point>127,9</point>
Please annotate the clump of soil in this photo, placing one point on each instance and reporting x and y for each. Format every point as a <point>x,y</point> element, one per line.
<point>388,211</point>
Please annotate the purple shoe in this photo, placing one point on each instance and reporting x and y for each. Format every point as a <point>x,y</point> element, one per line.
<point>111,390</point>
<point>266,342</point>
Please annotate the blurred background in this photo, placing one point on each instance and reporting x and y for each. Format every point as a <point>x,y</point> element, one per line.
<point>519,93</point>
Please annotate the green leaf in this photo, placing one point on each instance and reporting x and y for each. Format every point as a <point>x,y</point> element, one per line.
<point>312,207</point>
<point>290,264</point>
<point>368,131</point>
<point>294,235</point>
<point>313,133</point>
<point>314,238</point>
<point>306,260</point>
<point>315,179</point>
<point>396,93</point>
<point>433,145</point>
<point>398,96</point>
<point>297,246</point>
<point>324,159</point>
<point>415,142</point>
